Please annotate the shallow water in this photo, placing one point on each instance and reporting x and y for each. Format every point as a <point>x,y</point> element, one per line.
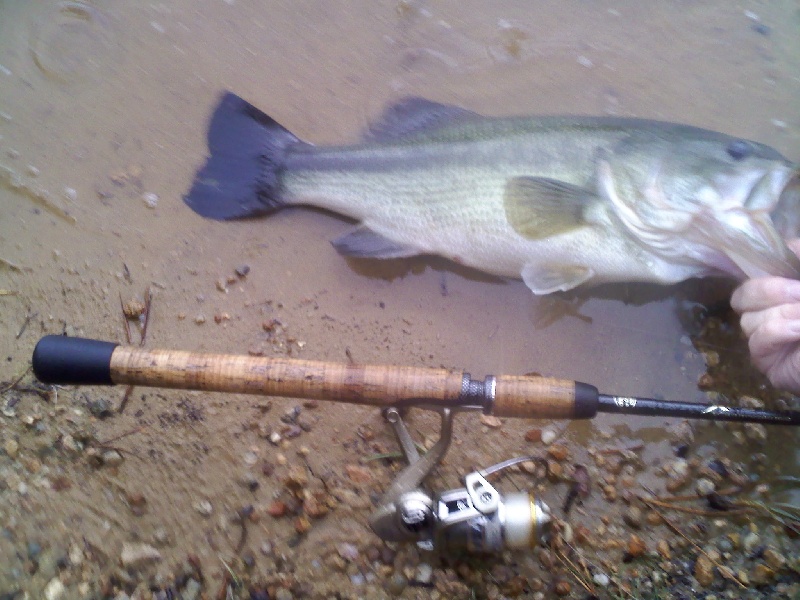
<point>103,104</point>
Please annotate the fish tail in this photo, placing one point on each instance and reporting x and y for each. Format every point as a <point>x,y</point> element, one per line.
<point>242,177</point>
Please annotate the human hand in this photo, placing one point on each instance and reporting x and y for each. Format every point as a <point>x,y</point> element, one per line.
<point>770,317</point>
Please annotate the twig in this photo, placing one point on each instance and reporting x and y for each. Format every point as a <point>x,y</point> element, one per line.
<point>125,320</point>
<point>13,384</point>
<point>13,266</point>
<point>120,436</point>
<point>28,319</point>
<point>148,300</point>
<point>576,572</point>
<point>695,511</point>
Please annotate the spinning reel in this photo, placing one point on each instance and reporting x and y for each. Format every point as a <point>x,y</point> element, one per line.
<point>475,518</point>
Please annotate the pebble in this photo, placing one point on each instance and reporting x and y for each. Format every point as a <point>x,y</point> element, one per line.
<point>242,270</point>
<point>533,435</point>
<point>601,579</point>
<point>636,547</point>
<point>750,541</point>
<point>70,194</point>
<point>358,473</point>
<point>424,574</point>
<point>704,486</point>
<point>396,584</point>
<point>633,517</point>
<point>347,551</point>
<point>112,458</point>
<point>563,588</point>
<point>662,547</point>
<point>204,507</point>
<point>277,509</point>
<point>755,432</point>
<point>491,421</point>
<point>135,555</point>
<point>548,436</point>
<point>150,199</point>
<point>12,448</point>
<point>774,559</point>
<point>704,571</point>
<point>55,590</point>
<point>192,590</point>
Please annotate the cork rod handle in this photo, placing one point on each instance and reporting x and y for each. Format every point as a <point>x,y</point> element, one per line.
<point>58,359</point>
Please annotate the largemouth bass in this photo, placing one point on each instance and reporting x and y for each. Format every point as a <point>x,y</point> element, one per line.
<point>556,201</point>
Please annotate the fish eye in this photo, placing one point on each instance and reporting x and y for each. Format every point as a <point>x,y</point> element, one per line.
<point>739,149</point>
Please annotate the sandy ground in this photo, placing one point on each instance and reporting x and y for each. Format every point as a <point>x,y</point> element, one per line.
<point>103,113</point>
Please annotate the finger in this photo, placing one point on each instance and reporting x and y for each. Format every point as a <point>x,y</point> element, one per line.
<point>787,314</point>
<point>765,292</point>
<point>772,338</point>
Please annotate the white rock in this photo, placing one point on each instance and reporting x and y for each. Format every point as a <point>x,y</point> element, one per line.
<point>136,555</point>
<point>548,436</point>
<point>204,507</point>
<point>55,590</point>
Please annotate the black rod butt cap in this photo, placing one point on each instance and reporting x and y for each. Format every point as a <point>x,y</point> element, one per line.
<point>587,400</point>
<point>73,361</point>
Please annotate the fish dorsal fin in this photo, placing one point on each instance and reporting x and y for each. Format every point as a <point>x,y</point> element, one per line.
<point>548,278</point>
<point>362,242</point>
<point>537,207</point>
<point>413,115</point>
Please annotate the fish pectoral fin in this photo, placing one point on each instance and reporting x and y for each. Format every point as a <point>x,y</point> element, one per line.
<point>538,207</point>
<point>365,243</point>
<point>414,115</point>
<point>548,278</point>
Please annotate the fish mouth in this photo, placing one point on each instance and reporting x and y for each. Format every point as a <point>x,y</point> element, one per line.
<point>786,214</point>
<point>755,238</point>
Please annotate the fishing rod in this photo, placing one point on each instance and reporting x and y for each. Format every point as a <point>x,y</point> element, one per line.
<point>78,361</point>
<point>477,517</point>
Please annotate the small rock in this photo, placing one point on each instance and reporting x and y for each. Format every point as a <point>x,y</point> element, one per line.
<point>558,452</point>
<point>277,509</point>
<point>347,551</point>
<point>755,432</point>
<point>548,436</point>
<point>704,571</point>
<point>150,199</point>
<point>192,590</point>
<point>704,486</point>
<point>424,574</point>
<point>135,555</point>
<point>633,517</point>
<point>358,473</point>
<point>751,540</point>
<point>533,436</point>
<point>761,574</point>
<point>302,524</point>
<point>54,590</point>
<point>396,584</point>
<point>563,588</point>
<point>12,448</point>
<point>636,547</point>
<point>601,579</point>
<point>275,438</point>
<point>662,547</point>
<point>112,458</point>
<point>204,507</point>
<point>242,270</point>
<point>774,559</point>
<point>491,421</point>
